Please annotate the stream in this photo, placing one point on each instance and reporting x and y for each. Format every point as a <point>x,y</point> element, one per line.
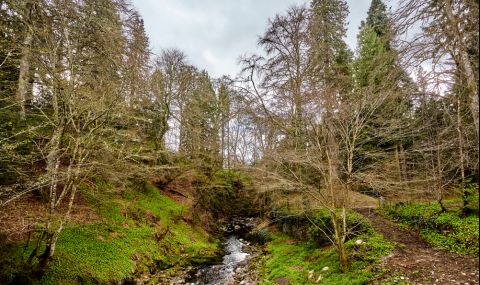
<point>239,262</point>
<point>223,273</point>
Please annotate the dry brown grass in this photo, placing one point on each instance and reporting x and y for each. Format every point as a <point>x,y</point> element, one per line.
<point>19,218</point>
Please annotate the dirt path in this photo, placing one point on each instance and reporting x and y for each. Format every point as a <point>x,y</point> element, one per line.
<point>415,262</point>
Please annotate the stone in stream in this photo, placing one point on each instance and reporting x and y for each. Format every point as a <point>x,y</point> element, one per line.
<point>223,273</point>
<point>237,267</point>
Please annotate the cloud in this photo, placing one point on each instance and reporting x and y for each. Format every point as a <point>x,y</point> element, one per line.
<point>214,33</point>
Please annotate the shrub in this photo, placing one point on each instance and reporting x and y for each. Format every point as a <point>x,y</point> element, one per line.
<point>322,223</point>
<point>261,236</point>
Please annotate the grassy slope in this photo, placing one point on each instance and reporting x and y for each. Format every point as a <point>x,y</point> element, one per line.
<point>294,261</point>
<point>139,229</point>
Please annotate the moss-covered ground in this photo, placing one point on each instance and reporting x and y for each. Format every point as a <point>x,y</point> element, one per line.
<point>450,230</point>
<point>298,262</point>
<point>138,232</point>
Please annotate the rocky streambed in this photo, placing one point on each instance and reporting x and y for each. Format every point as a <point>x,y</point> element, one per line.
<point>240,261</point>
<point>237,266</point>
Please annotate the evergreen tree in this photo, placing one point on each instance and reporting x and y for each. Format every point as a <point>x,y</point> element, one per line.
<point>377,71</point>
<point>10,30</point>
<point>378,20</point>
<point>330,53</point>
<point>375,60</point>
<point>137,54</point>
<point>199,129</point>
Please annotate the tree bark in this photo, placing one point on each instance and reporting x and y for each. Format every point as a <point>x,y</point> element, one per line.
<point>465,64</point>
<point>23,78</point>
<point>399,167</point>
<point>461,156</point>
<point>339,226</point>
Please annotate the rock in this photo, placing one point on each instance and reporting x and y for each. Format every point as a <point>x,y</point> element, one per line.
<point>310,274</point>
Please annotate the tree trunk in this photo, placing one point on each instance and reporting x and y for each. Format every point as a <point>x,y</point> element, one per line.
<point>339,226</point>
<point>464,64</point>
<point>228,144</point>
<point>439,179</point>
<point>51,243</point>
<point>54,234</point>
<point>403,163</point>
<point>399,167</point>
<point>343,257</point>
<point>461,156</point>
<point>24,73</point>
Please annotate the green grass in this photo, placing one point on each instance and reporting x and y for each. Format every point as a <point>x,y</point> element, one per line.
<point>294,260</point>
<point>139,230</point>
<point>99,252</point>
<point>450,230</point>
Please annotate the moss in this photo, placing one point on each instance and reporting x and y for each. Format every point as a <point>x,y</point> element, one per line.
<point>98,252</point>
<point>133,236</point>
<point>294,261</point>
<point>161,206</point>
<point>225,193</point>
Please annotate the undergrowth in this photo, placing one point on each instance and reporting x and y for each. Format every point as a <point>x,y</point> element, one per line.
<point>308,263</point>
<point>138,231</point>
<point>450,230</point>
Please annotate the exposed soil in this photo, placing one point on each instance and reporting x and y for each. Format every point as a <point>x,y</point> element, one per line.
<point>414,261</point>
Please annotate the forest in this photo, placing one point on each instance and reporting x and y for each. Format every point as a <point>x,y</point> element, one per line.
<point>316,164</point>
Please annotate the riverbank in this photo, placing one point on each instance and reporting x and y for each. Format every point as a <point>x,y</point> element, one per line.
<point>291,261</point>
<point>240,264</point>
<point>128,238</point>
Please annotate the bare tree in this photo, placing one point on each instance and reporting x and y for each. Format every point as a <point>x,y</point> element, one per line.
<point>448,42</point>
<point>80,99</point>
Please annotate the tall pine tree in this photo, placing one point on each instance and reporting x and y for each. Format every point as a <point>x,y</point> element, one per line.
<point>377,71</point>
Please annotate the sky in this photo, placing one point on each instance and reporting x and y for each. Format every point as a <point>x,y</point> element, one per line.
<point>215,33</point>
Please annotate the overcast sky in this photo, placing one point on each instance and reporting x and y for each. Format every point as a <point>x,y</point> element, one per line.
<point>214,33</point>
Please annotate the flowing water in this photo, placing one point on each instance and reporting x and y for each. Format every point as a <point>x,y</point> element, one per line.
<point>222,274</point>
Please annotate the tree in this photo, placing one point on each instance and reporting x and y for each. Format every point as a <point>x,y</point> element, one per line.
<point>287,69</point>
<point>166,84</point>
<point>303,82</point>
<point>137,62</point>
<point>224,111</point>
<point>11,162</point>
<point>379,21</point>
<point>332,61</point>
<point>199,118</point>
<point>10,28</point>
<point>377,70</point>
<point>27,12</point>
<point>448,42</point>
<point>78,79</point>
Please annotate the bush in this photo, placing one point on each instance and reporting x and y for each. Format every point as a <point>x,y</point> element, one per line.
<point>261,236</point>
<point>313,226</point>
<point>471,192</point>
<point>224,194</point>
<point>322,223</point>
